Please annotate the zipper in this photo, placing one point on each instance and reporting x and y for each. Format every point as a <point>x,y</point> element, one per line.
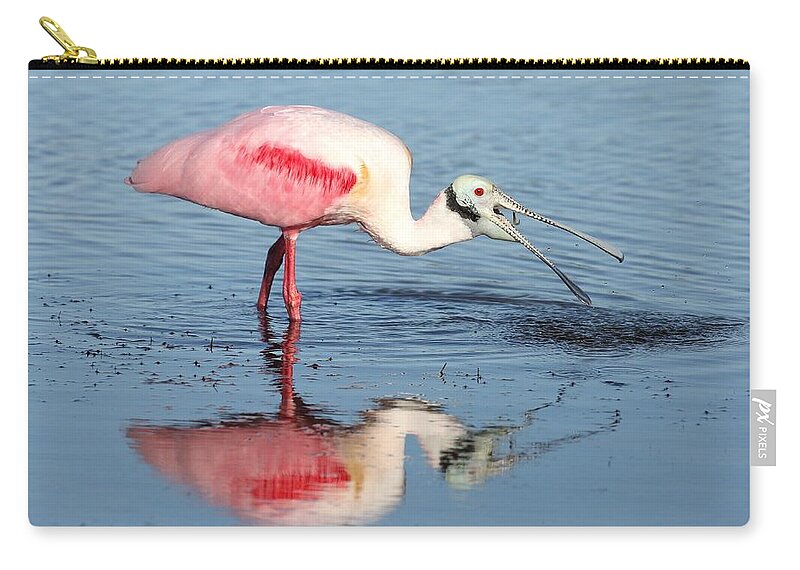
<point>79,57</point>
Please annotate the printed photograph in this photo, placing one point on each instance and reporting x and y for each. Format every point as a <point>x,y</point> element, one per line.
<point>402,297</point>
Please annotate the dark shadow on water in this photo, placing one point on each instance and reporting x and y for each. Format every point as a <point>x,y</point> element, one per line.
<point>604,330</point>
<point>294,466</point>
<point>574,327</point>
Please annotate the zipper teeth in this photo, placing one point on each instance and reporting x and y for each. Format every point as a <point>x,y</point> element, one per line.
<point>443,63</point>
<point>391,62</point>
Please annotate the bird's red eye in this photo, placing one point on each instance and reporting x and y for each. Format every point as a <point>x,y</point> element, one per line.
<point>479,191</point>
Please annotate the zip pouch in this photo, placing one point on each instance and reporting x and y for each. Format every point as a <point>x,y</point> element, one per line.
<point>451,339</point>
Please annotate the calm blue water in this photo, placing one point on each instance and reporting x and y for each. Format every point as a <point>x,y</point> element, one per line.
<point>464,387</point>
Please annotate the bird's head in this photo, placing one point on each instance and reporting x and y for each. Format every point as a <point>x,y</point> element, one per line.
<point>480,204</point>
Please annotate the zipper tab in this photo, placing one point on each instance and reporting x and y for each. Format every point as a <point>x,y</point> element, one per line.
<point>72,52</point>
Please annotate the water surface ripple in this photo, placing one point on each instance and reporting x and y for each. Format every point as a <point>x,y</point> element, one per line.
<point>464,387</point>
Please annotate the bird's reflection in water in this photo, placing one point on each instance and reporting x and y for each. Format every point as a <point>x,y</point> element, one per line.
<point>298,468</point>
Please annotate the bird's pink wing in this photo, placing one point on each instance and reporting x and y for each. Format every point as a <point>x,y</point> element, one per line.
<point>268,461</point>
<point>281,166</point>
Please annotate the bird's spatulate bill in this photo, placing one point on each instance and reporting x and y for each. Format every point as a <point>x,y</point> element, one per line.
<point>509,228</point>
<point>507,201</point>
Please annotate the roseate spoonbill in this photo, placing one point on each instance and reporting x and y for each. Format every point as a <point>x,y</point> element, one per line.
<point>297,466</point>
<point>301,469</point>
<point>298,167</point>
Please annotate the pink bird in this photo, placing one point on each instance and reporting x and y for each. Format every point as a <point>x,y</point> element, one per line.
<point>299,167</point>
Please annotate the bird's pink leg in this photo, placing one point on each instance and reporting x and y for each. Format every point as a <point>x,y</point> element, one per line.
<point>271,266</point>
<point>291,296</point>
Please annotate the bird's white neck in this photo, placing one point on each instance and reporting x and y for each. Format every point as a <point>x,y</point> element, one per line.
<point>402,234</point>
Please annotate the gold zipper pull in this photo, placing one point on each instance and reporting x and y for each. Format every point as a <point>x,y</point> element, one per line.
<point>72,52</point>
